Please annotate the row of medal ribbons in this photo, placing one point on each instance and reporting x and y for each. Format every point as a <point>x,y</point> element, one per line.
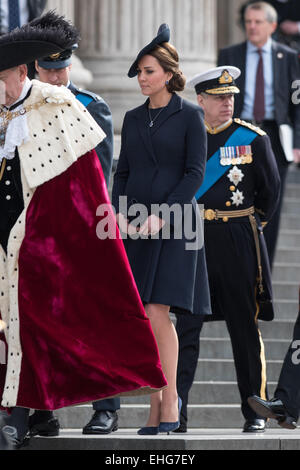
<point>240,155</point>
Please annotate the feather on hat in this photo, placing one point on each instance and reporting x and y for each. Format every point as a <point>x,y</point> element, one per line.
<point>48,34</point>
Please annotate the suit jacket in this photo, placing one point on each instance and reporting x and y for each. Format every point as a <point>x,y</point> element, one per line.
<point>286,70</point>
<point>102,115</point>
<point>36,8</point>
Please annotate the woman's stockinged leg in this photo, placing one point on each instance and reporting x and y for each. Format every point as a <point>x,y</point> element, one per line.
<point>164,405</point>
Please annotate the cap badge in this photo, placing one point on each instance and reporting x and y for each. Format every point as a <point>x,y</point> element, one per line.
<point>225,78</point>
<point>55,56</point>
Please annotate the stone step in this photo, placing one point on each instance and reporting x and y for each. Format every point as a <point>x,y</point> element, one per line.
<point>286,271</point>
<point>292,190</point>
<point>286,309</point>
<point>133,416</point>
<point>184,446</point>
<point>202,392</point>
<point>221,348</point>
<point>287,254</point>
<point>286,290</point>
<point>288,237</point>
<point>282,329</point>
<point>293,176</point>
<point>290,205</point>
<point>224,370</point>
<point>290,221</point>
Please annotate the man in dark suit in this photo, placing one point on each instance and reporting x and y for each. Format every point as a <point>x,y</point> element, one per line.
<point>269,70</point>
<point>56,71</point>
<point>14,13</point>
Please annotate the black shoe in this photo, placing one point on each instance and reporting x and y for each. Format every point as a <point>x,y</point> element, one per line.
<point>182,428</point>
<point>102,422</point>
<point>183,424</point>
<point>49,428</point>
<point>254,425</point>
<point>273,409</point>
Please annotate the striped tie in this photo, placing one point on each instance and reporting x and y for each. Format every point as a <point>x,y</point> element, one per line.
<point>14,14</point>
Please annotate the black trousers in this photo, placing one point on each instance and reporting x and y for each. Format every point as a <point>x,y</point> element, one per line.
<point>232,270</point>
<point>250,367</point>
<point>110,404</point>
<point>288,388</point>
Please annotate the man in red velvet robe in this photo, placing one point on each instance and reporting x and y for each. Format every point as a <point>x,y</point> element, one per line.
<point>76,328</point>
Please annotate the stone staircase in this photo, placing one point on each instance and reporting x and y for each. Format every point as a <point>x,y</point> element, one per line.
<point>215,420</point>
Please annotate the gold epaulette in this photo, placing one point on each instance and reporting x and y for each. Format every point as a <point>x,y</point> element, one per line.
<point>256,129</point>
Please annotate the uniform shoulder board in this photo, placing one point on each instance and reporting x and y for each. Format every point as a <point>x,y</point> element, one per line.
<point>250,126</point>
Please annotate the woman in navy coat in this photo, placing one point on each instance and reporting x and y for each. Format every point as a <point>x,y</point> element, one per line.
<point>162,161</point>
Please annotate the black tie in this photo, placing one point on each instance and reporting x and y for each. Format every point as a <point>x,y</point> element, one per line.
<point>259,101</point>
<point>14,14</point>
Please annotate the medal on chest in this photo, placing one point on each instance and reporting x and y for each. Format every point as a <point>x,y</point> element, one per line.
<point>238,155</point>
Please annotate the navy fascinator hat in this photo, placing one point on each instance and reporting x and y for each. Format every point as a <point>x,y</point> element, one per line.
<point>163,35</point>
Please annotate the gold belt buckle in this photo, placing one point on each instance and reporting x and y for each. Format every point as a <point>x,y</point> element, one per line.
<point>210,214</point>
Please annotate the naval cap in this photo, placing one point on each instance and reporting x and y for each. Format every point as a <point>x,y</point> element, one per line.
<point>216,81</point>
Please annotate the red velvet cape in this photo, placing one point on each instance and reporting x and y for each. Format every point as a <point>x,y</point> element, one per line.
<point>83,329</point>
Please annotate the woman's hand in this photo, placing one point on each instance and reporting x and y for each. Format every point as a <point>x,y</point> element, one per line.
<point>152,225</point>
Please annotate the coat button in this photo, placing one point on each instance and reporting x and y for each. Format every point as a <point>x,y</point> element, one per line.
<point>8,168</point>
<point>225,219</point>
<point>228,203</point>
<point>7,182</point>
<point>232,188</point>
<point>8,197</point>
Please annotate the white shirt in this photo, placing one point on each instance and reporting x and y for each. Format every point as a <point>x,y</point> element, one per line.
<point>4,11</point>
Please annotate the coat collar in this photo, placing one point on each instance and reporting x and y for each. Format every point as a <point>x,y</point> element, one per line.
<point>142,116</point>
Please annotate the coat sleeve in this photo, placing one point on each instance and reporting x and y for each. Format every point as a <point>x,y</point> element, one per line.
<point>102,115</point>
<point>195,160</point>
<point>267,178</point>
<point>122,172</point>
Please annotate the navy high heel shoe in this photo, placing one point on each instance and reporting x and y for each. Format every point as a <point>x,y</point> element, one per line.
<point>148,431</point>
<point>169,427</point>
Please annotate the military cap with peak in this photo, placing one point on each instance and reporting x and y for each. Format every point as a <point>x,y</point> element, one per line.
<point>216,81</point>
<point>163,35</point>
<point>46,35</point>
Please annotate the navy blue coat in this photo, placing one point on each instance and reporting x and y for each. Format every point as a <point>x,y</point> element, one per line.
<point>165,164</point>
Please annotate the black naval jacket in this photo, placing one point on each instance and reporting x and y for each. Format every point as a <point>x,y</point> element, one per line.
<point>100,111</point>
<point>259,187</point>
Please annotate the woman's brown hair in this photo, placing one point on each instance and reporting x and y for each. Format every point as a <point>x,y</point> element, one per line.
<point>167,56</point>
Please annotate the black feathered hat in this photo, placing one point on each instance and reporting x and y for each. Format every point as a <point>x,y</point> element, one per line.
<point>163,35</point>
<point>48,34</point>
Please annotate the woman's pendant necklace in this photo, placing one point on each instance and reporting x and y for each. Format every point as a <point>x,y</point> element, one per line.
<point>150,117</point>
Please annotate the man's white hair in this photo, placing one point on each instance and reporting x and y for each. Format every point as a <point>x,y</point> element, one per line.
<point>269,10</point>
